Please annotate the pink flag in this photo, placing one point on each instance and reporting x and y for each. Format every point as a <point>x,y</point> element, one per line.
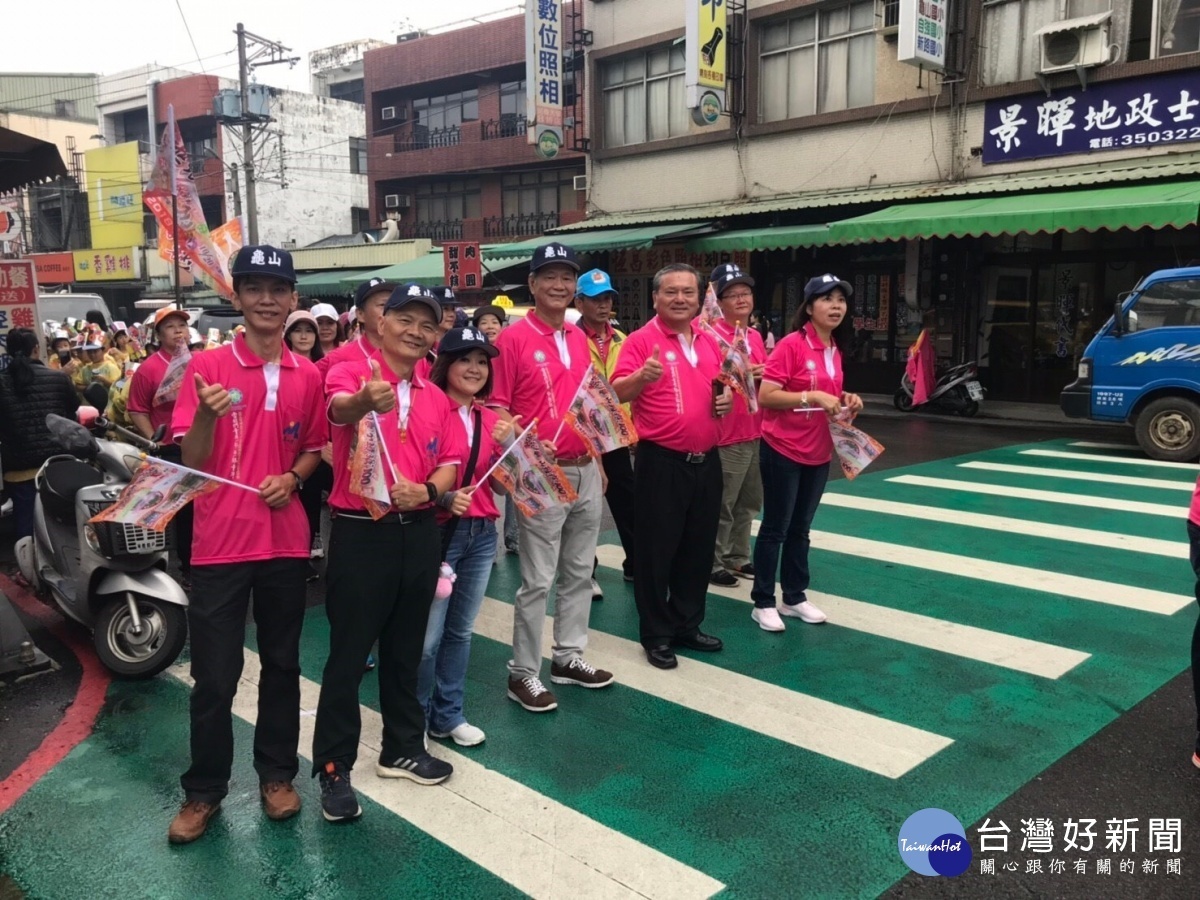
<point>157,492</point>
<point>532,478</point>
<point>922,367</point>
<point>168,388</point>
<point>596,415</point>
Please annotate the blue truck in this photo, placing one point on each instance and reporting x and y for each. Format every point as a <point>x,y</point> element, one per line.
<point>1143,366</point>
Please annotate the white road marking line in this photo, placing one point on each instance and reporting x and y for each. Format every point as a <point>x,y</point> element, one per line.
<point>1128,480</point>
<point>529,840</point>
<point>1009,525</point>
<point>1102,445</point>
<point>1122,460</point>
<point>857,738</point>
<point>1019,654</point>
<point>1003,490</point>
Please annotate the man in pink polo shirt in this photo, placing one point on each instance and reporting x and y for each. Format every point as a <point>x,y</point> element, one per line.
<point>742,493</point>
<point>248,411</point>
<point>542,363</point>
<point>669,373</point>
<point>149,408</point>
<point>382,572</point>
<point>369,300</point>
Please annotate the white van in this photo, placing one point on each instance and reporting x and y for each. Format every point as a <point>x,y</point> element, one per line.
<point>60,307</point>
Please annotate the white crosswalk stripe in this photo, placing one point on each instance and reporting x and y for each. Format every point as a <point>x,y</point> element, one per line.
<point>1104,445</point>
<point>1019,654</point>
<point>1099,477</point>
<point>857,738</point>
<point>533,842</point>
<point>1089,501</point>
<point>1120,460</point>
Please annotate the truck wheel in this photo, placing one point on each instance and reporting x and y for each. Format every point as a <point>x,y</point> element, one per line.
<point>1169,429</point>
<point>142,654</point>
<point>902,400</point>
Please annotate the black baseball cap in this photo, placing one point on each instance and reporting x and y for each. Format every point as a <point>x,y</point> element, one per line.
<point>823,284</point>
<point>407,294</point>
<point>464,340</point>
<point>264,259</point>
<point>551,254</point>
<point>367,288</point>
<point>728,274</point>
<point>445,296</point>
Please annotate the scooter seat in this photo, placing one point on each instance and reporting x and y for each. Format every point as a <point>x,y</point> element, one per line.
<point>62,480</point>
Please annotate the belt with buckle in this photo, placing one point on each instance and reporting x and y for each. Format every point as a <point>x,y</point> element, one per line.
<point>392,518</point>
<point>573,460</point>
<point>694,459</point>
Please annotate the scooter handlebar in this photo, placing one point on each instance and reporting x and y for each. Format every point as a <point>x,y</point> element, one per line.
<point>132,437</point>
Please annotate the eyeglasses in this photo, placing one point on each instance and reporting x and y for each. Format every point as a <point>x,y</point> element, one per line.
<point>738,295</point>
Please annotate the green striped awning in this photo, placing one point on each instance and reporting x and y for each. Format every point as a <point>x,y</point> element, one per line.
<point>1111,208</point>
<point>329,284</point>
<point>780,237</point>
<point>596,241</point>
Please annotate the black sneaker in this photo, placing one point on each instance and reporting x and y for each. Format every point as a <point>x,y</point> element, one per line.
<point>338,800</point>
<point>422,768</point>
<point>723,578</point>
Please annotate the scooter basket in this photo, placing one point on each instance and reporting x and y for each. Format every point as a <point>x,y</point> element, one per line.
<point>123,539</point>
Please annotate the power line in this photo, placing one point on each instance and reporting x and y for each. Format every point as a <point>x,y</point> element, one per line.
<point>188,29</point>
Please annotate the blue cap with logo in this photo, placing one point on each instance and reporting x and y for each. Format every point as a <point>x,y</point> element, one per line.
<point>464,340</point>
<point>371,286</point>
<point>445,296</point>
<point>594,283</point>
<point>264,260</point>
<point>407,294</point>
<point>552,254</point>
<point>727,275</point>
<point>823,284</point>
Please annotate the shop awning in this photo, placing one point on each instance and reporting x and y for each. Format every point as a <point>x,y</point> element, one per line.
<point>329,284</point>
<point>777,238</point>
<point>429,270</point>
<point>26,160</point>
<point>1111,208</point>
<point>596,241</point>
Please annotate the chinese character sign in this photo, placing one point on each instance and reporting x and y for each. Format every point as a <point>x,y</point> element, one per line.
<point>18,298</point>
<point>463,266</point>
<point>706,32</point>
<point>921,40</point>
<point>1139,112</point>
<point>545,32</point>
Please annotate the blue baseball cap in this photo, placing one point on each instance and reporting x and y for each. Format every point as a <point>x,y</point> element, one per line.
<point>373,286</point>
<point>594,283</point>
<point>408,294</point>
<point>726,275</point>
<point>264,260</point>
<point>824,284</point>
<point>551,254</point>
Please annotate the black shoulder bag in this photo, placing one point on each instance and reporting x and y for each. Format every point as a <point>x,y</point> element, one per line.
<point>468,473</point>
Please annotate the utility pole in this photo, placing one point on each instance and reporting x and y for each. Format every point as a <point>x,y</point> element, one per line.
<point>237,190</point>
<point>251,52</point>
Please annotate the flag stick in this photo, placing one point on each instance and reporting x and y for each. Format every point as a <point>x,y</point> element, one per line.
<point>530,430</point>
<point>236,484</point>
<point>383,448</point>
<point>563,421</point>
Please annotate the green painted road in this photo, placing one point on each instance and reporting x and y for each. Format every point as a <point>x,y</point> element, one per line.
<point>987,614</point>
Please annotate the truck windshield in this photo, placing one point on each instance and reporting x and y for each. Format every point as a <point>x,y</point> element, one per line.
<point>1169,304</point>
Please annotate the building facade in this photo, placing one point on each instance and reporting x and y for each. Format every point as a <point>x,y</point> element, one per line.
<point>447,145</point>
<point>939,195</point>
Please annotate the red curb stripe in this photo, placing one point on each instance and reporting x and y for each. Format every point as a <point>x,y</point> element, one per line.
<point>80,717</point>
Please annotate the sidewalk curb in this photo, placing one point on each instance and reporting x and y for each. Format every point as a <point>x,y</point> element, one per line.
<point>878,406</point>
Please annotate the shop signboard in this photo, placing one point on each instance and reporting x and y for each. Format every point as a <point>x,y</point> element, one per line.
<point>1138,113</point>
<point>921,38</point>
<point>706,43</point>
<point>108,265</point>
<point>544,32</point>
<point>18,298</point>
<point>462,266</point>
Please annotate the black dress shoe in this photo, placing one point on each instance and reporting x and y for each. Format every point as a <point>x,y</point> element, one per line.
<point>699,641</point>
<point>746,571</point>
<point>721,578</point>
<point>661,656</point>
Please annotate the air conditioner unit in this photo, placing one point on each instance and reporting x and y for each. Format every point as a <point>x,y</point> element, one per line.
<point>397,201</point>
<point>1075,44</point>
<point>579,182</point>
<point>387,113</point>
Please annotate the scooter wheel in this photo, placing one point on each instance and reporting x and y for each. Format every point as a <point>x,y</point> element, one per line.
<point>970,409</point>
<point>140,655</point>
<point>903,401</point>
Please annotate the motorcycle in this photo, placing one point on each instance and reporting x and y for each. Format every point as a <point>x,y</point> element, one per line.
<point>109,577</point>
<point>957,390</point>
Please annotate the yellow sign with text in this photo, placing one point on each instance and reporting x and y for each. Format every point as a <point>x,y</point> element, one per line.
<point>114,186</point>
<point>101,264</point>
<point>713,40</point>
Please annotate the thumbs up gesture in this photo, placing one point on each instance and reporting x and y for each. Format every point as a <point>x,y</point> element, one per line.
<point>377,395</point>
<point>214,399</point>
<point>652,369</point>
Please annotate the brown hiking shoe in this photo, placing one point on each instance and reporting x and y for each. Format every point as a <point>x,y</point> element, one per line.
<point>279,799</point>
<point>580,673</point>
<point>531,694</point>
<point>191,821</point>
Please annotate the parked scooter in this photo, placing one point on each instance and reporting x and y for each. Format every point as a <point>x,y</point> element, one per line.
<point>110,577</point>
<point>957,390</point>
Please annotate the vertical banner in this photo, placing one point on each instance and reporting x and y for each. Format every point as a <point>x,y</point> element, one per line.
<point>462,266</point>
<point>705,58</point>
<point>114,180</point>
<point>543,75</point>
<point>18,298</point>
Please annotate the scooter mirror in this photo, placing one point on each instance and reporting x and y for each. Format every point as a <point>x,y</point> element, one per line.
<point>96,394</point>
<point>71,436</point>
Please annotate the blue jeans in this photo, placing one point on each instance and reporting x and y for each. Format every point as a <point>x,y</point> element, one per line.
<point>442,675</point>
<point>791,494</point>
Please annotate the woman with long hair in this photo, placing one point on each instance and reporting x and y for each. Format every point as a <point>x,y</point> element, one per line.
<point>300,333</point>
<point>801,392</point>
<point>329,332</point>
<point>463,370</point>
<point>29,391</point>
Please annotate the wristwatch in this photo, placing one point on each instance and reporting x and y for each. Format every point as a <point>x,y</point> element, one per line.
<point>433,491</point>
<point>299,480</point>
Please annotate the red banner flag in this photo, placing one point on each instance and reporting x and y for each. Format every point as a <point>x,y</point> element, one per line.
<point>596,415</point>
<point>532,478</point>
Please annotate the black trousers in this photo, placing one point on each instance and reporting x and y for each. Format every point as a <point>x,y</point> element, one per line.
<point>217,627</point>
<point>310,496</point>
<point>618,468</point>
<point>381,576</point>
<point>677,509</point>
<point>185,519</point>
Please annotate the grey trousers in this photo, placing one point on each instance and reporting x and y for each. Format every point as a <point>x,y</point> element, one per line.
<point>741,501</point>
<point>558,541</point>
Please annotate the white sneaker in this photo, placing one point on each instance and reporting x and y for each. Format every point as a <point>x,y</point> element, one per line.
<point>465,735</point>
<point>805,612</point>
<point>597,591</point>
<point>767,619</point>
<point>317,551</point>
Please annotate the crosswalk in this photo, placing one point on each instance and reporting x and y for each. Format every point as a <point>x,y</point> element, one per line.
<point>986,615</point>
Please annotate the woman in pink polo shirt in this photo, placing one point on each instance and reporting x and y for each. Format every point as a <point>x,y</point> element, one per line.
<point>801,391</point>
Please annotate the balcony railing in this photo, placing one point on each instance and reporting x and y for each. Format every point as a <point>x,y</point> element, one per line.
<point>421,137</point>
<point>505,127</point>
<point>519,226</point>
<point>434,231</point>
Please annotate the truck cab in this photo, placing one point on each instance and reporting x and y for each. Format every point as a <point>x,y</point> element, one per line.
<point>1143,366</point>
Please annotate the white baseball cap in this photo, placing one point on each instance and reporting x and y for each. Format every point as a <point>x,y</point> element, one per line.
<point>324,311</point>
